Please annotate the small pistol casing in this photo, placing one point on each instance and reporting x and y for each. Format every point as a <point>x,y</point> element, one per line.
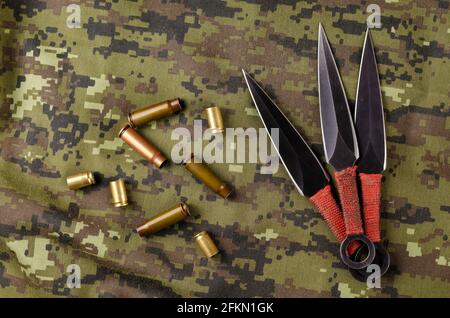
<point>206,244</point>
<point>202,172</point>
<point>142,146</point>
<point>80,180</point>
<point>146,114</point>
<point>164,219</point>
<point>215,120</point>
<point>119,193</point>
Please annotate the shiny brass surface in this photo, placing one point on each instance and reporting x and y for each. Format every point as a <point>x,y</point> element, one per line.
<point>206,244</point>
<point>164,219</point>
<point>80,180</point>
<point>215,120</point>
<point>119,193</point>
<point>202,172</point>
<point>146,114</point>
<point>142,146</point>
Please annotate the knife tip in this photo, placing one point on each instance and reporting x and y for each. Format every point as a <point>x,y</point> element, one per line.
<point>367,32</point>
<point>321,29</point>
<point>247,76</point>
<point>368,39</point>
<point>322,34</point>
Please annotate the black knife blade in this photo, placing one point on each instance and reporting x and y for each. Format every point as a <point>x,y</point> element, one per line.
<point>370,129</point>
<point>369,116</point>
<point>301,163</point>
<point>340,145</point>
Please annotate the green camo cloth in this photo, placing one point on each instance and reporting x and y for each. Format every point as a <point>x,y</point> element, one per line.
<point>65,91</point>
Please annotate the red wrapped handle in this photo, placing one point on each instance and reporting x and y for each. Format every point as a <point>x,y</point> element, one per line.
<point>324,201</point>
<point>371,197</point>
<point>348,194</point>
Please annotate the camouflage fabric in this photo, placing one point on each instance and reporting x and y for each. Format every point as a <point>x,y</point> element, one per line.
<point>65,93</point>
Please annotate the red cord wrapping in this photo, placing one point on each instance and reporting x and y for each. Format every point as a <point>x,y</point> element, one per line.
<point>371,194</point>
<point>348,194</point>
<point>324,201</point>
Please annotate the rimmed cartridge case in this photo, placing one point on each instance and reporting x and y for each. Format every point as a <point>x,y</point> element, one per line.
<point>164,219</point>
<point>118,193</point>
<point>202,172</point>
<point>206,244</point>
<point>80,180</point>
<point>146,114</point>
<point>215,120</point>
<point>142,146</point>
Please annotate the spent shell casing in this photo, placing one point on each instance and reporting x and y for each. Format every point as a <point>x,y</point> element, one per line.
<point>215,120</point>
<point>146,114</point>
<point>164,219</point>
<point>206,244</point>
<point>119,193</point>
<point>80,180</point>
<point>202,172</point>
<point>142,146</point>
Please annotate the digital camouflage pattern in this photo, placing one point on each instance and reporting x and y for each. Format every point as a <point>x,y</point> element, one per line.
<point>65,93</point>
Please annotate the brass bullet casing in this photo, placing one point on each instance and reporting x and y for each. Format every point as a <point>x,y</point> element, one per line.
<point>143,115</point>
<point>164,219</point>
<point>142,146</point>
<point>202,172</point>
<point>119,193</point>
<point>215,120</point>
<point>80,180</point>
<point>206,244</point>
